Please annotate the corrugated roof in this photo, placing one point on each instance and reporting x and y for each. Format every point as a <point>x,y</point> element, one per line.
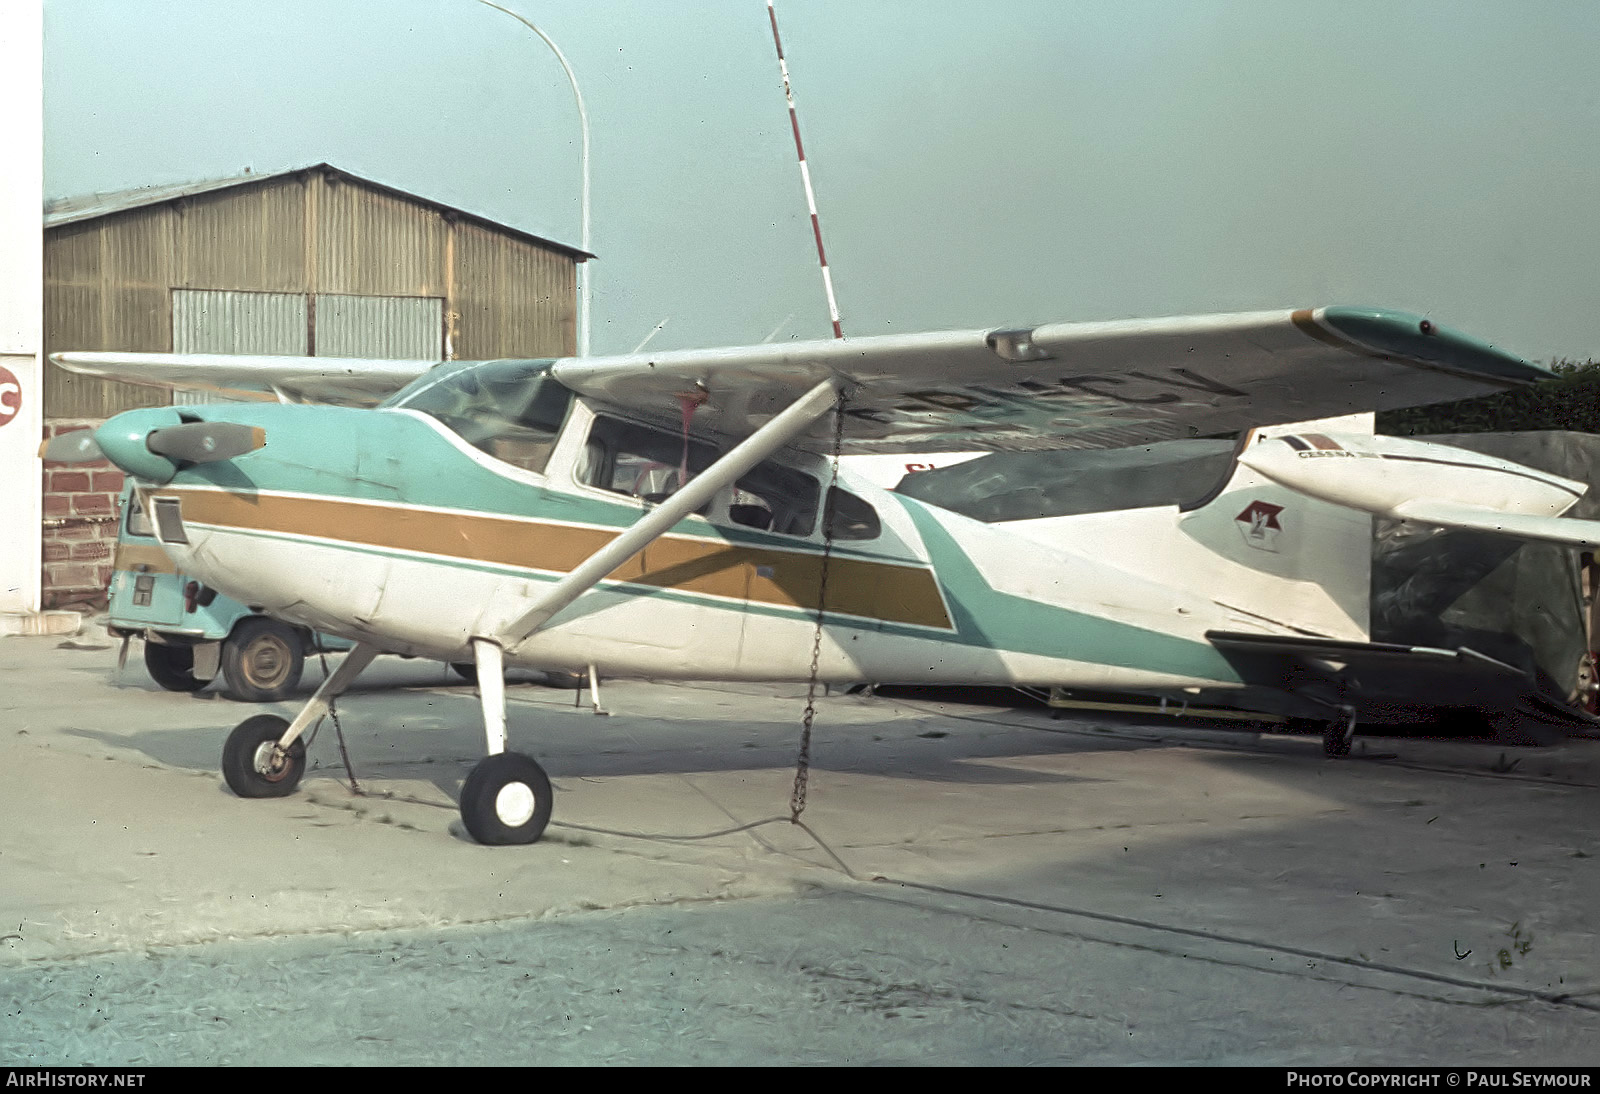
<point>63,211</point>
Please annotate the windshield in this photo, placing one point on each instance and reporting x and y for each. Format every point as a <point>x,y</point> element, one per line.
<point>513,410</point>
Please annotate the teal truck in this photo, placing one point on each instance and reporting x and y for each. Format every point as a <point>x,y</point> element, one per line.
<point>192,633</point>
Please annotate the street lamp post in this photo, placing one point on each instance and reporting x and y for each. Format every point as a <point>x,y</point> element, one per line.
<point>584,294</point>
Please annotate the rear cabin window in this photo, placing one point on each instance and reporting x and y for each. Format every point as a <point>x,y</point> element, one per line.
<point>775,498</point>
<point>512,410</point>
<point>849,517</point>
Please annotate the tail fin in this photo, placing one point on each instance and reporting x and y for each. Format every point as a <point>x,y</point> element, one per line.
<point>1274,560</point>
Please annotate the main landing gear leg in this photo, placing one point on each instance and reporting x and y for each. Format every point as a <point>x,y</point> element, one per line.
<point>506,797</point>
<point>264,756</point>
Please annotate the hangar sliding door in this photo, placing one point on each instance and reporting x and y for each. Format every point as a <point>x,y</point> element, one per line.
<point>396,327</point>
<point>302,324</point>
<point>215,321</point>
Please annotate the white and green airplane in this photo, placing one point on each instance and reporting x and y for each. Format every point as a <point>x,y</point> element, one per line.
<point>680,515</point>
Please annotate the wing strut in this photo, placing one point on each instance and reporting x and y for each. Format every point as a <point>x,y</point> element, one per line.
<point>723,473</point>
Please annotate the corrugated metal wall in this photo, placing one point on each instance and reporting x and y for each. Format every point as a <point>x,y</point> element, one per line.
<point>109,282</point>
<point>510,294</point>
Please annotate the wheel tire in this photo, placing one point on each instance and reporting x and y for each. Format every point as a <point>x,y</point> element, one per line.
<point>466,670</point>
<point>1334,742</point>
<point>249,763</point>
<point>506,799</point>
<point>262,660</point>
<point>171,666</point>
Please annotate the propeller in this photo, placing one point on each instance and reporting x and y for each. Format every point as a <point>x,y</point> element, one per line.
<point>191,442</point>
<point>76,447</point>
<point>205,442</point>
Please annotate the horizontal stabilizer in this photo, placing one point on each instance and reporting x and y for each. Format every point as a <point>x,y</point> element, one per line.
<point>1360,655</point>
<point>1576,533</point>
<point>1376,678</point>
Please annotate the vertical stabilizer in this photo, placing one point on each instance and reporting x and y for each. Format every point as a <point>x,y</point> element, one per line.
<point>1272,560</point>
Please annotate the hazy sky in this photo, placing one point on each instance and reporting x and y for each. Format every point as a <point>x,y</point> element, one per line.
<point>976,164</point>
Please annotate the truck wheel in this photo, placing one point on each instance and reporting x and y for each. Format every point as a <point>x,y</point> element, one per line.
<point>171,666</point>
<point>262,660</point>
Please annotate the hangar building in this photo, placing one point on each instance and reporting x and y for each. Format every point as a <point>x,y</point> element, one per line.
<point>312,261</point>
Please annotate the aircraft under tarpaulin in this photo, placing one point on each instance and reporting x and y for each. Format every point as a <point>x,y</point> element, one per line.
<point>679,515</point>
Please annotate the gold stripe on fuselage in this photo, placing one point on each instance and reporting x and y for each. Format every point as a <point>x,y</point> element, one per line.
<point>887,591</point>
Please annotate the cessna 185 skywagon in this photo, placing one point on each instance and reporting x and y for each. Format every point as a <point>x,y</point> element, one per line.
<point>677,515</point>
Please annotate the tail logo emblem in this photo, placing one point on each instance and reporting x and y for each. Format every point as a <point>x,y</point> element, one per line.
<point>1259,525</point>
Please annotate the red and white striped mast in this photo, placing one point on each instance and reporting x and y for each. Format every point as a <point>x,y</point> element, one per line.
<point>805,176</point>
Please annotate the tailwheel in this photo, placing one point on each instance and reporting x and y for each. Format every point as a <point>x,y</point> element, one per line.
<point>253,763</point>
<point>1337,734</point>
<point>506,799</point>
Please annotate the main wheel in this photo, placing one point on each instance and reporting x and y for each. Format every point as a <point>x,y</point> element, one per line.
<point>253,764</point>
<point>1335,739</point>
<point>171,666</point>
<point>262,660</point>
<point>506,799</point>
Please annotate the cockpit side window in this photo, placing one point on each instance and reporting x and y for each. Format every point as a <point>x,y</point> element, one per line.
<point>638,461</point>
<point>513,410</point>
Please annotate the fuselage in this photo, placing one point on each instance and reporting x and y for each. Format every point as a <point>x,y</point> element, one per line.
<point>417,530</point>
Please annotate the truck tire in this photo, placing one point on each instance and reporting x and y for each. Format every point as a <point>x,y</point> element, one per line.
<point>262,660</point>
<point>171,666</point>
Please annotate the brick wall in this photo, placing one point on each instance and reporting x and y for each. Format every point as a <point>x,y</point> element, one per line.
<point>80,526</point>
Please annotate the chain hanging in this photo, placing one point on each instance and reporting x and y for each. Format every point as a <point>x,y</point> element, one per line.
<point>338,731</point>
<point>802,771</point>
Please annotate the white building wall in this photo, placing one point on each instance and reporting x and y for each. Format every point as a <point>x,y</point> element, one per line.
<point>21,316</point>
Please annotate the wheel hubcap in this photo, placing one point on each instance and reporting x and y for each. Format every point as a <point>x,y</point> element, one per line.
<point>266,662</point>
<point>269,761</point>
<point>514,804</point>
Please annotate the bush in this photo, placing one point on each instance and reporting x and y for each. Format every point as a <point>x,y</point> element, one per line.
<point>1570,401</point>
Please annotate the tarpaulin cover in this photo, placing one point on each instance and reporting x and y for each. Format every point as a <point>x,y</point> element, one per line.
<point>1516,601</point>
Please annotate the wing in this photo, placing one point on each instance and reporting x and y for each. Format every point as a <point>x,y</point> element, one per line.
<point>1067,385</point>
<point>351,381</point>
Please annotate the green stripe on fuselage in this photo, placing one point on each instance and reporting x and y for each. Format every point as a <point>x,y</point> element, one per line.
<point>399,458</point>
<point>987,617</point>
